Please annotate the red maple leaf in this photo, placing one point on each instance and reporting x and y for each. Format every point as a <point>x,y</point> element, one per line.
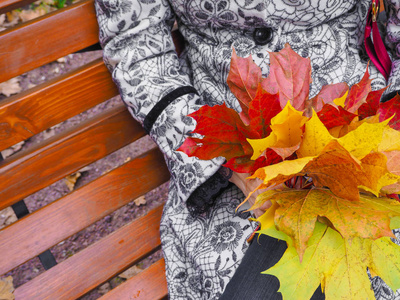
<point>371,106</point>
<point>243,80</point>
<point>358,93</point>
<point>391,108</point>
<point>262,109</point>
<point>244,164</point>
<point>290,74</point>
<point>327,94</point>
<point>331,116</point>
<point>224,134</point>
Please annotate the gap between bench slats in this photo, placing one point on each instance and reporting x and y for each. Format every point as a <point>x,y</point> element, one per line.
<point>57,221</point>
<point>29,171</point>
<point>48,104</point>
<point>43,40</point>
<point>98,263</point>
<point>148,284</point>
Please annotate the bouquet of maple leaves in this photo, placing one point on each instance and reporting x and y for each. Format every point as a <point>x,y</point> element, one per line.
<point>343,145</point>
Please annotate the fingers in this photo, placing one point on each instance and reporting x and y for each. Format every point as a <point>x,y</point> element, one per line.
<point>262,209</point>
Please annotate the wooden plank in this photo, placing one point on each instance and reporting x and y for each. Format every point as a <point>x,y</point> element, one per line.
<point>43,40</point>
<point>98,263</point>
<point>57,221</point>
<point>29,171</point>
<point>48,104</point>
<point>149,284</point>
<point>8,5</point>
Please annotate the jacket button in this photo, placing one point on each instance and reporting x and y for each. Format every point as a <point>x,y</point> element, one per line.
<point>262,36</point>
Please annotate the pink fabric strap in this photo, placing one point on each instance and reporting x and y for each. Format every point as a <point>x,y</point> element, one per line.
<point>376,50</point>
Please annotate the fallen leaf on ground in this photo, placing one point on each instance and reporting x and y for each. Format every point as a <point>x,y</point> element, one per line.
<point>140,201</point>
<point>62,60</point>
<point>6,288</point>
<point>9,151</point>
<point>104,288</point>
<point>10,87</point>
<point>12,17</point>
<point>30,14</point>
<point>70,180</point>
<point>7,217</point>
<point>130,272</point>
<point>2,19</point>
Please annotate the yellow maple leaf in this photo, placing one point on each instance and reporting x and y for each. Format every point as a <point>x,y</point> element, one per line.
<point>365,139</point>
<point>287,126</point>
<point>346,279</point>
<point>390,140</point>
<point>281,172</point>
<point>263,197</point>
<point>6,288</point>
<point>286,132</point>
<point>315,137</point>
<point>260,145</point>
<point>341,100</point>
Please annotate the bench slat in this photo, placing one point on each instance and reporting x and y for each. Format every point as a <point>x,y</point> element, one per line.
<point>48,104</point>
<point>148,284</point>
<point>97,263</point>
<point>8,5</point>
<point>43,40</point>
<point>57,221</point>
<point>25,173</point>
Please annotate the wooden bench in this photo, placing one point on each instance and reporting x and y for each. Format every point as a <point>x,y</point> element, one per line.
<point>23,48</point>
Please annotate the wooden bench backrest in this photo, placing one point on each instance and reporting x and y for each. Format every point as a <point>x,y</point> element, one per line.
<point>28,46</point>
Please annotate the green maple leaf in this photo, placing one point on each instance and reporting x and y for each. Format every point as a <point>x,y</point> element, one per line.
<point>304,277</point>
<point>299,210</point>
<point>338,264</point>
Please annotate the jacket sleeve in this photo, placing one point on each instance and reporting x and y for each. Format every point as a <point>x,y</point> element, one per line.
<point>139,51</point>
<point>393,40</point>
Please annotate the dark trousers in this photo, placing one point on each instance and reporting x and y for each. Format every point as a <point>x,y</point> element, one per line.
<point>247,282</point>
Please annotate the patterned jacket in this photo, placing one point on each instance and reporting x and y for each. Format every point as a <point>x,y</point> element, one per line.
<point>160,89</point>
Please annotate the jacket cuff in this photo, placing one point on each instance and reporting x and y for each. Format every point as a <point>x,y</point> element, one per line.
<point>204,197</point>
<point>156,111</point>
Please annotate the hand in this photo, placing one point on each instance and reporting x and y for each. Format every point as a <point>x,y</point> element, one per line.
<point>247,186</point>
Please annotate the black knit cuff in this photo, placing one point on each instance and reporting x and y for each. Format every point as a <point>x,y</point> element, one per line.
<point>205,196</point>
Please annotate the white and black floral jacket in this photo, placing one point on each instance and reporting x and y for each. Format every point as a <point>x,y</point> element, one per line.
<point>160,90</point>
